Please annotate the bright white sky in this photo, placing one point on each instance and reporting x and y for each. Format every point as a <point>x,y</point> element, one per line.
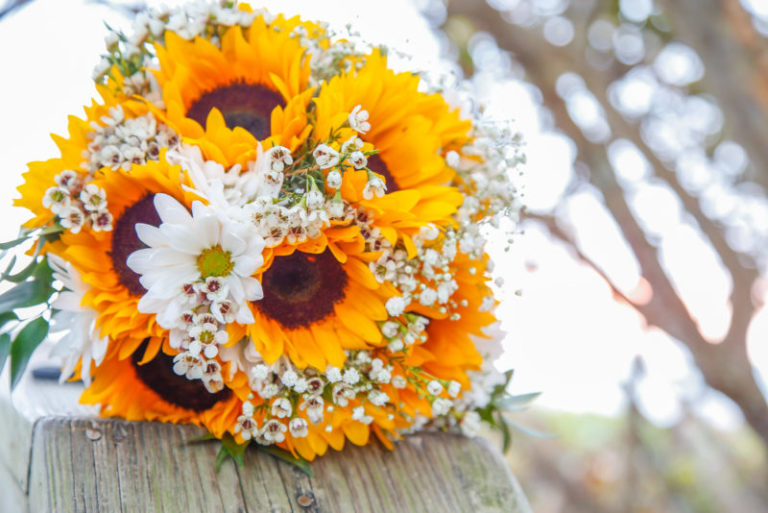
<point>567,337</point>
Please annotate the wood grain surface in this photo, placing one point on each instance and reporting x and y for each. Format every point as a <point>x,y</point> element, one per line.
<point>81,464</point>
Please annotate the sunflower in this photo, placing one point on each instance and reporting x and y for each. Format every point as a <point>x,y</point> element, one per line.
<point>100,257</point>
<point>150,390</point>
<point>254,89</point>
<point>320,298</point>
<point>411,131</point>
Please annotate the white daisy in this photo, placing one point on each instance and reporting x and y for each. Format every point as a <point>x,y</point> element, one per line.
<point>191,249</point>
<point>81,339</point>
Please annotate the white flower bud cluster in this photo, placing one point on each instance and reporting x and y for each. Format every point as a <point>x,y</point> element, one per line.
<point>447,412</point>
<point>192,19</point>
<point>254,197</point>
<point>427,278</point>
<point>200,338</point>
<point>326,157</point>
<point>489,183</point>
<point>188,20</point>
<point>118,142</point>
<point>293,397</point>
<point>296,224</point>
<point>404,330</point>
<point>78,205</point>
<point>200,330</point>
<point>331,51</point>
<point>374,240</point>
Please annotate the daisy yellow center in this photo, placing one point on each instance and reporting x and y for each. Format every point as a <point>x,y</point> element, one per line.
<point>215,261</point>
<point>244,105</point>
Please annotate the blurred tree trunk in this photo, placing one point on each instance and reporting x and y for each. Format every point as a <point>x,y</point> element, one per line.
<point>736,60</point>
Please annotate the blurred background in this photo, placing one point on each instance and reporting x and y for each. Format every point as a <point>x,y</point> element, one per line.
<point>634,300</point>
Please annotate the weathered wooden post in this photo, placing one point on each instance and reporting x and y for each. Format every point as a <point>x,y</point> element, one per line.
<point>57,457</point>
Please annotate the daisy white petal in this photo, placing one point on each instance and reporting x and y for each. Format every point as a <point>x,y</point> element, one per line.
<point>170,210</point>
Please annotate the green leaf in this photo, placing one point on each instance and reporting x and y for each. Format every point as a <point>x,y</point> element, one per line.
<point>24,345</point>
<point>27,271</point>
<point>28,293</point>
<point>8,268</point>
<point>230,449</point>
<point>516,402</point>
<point>506,436</point>
<point>235,450</point>
<point>526,430</point>
<point>486,414</point>
<point>44,273</point>
<point>13,243</point>
<point>7,317</point>
<point>221,457</point>
<point>287,457</point>
<point>5,348</point>
<point>23,274</point>
<point>207,437</point>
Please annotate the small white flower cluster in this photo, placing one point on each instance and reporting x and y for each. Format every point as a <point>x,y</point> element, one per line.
<point>276,223</point>
<point>444,398</point>
<point>189,21</point>
<point>468,422</point>
<point>331,51</point>
<point>294,398</point>
<point>351,154</point>
<point>490,184</point>
<point>201,330</point>
<point>133,53</point>
<point>197,18</point>
<point>118,142</point>
<point>364,220</point>
<point>198,343</point>
<point>77,204</point>
<point>426,278</point>
<point>404,331</point>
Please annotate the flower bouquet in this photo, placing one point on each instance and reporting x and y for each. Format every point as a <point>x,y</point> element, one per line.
<point>261,229</point>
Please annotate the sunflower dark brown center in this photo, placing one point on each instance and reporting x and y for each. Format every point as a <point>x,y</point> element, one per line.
<point>245,105</point>
<point>301,288</point>
<point>377,165</point>
<point>158,375</point>
<point>125,241</point>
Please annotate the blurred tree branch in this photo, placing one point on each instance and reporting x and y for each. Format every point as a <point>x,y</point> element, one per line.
<point>737,61</point>
<point>129,9</point>
<point>10,6</point>
<point>733,78</point>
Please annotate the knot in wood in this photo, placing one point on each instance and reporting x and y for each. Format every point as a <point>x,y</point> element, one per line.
<point>305,500</point>
<point>93,433</point>
<point>119,433</point>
